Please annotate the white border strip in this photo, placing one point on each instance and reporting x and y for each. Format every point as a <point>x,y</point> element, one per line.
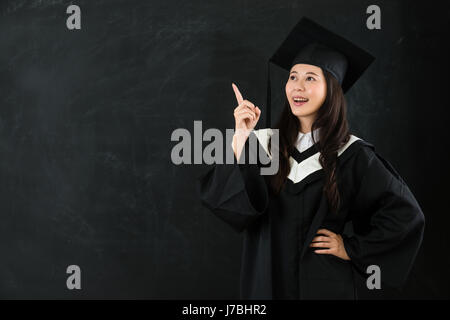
<point>299,171</point>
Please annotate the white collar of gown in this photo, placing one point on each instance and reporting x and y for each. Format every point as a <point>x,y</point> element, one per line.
<point>304,140</point>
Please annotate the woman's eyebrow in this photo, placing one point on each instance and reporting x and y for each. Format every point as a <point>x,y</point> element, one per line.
<point>309,72</point>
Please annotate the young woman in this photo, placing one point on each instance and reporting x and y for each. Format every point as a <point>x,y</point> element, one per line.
<point>295,246</point>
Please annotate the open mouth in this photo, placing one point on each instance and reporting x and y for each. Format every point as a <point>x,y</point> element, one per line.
<point>298,101</point>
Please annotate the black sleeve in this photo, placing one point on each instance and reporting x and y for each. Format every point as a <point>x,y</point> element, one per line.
<point>388,223</point>
<point>237,193</point>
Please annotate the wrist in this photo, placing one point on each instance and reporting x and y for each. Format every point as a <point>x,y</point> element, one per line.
<point>242,132</point>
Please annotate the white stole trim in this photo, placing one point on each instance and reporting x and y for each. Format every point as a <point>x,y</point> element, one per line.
<point>263,136</point>
<point>299,171</point>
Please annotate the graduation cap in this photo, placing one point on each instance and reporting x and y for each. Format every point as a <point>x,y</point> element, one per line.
<point>310,43</point>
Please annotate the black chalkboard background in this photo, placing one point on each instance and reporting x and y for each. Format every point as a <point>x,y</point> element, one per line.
<point>86,118</point>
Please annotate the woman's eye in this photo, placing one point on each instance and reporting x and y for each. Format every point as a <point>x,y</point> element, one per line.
<point>310,78</point>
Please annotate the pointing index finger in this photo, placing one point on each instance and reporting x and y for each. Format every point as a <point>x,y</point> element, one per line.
<point>238,95</point>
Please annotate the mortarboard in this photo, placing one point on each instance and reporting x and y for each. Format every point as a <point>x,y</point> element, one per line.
<point>310,43</point>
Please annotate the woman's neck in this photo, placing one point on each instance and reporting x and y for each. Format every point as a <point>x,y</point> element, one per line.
<point>306,124</point>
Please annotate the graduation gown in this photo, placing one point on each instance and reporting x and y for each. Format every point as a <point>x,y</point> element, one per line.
<point>277,262</point>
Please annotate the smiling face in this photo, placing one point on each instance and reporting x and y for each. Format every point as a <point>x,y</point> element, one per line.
<point>306,90</point>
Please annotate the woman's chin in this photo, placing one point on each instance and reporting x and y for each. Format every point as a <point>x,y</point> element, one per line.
<point>300,113</point>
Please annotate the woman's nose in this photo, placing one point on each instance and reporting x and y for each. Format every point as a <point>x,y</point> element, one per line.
<point>300,86</point>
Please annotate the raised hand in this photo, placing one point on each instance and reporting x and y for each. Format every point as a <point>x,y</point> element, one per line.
<point>246,114</point>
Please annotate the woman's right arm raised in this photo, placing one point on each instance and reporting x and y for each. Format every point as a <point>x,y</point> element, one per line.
<point>236,194</point>
<point>246,116</point>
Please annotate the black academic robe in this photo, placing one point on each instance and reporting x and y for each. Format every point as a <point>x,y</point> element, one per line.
<point>277,262</point>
